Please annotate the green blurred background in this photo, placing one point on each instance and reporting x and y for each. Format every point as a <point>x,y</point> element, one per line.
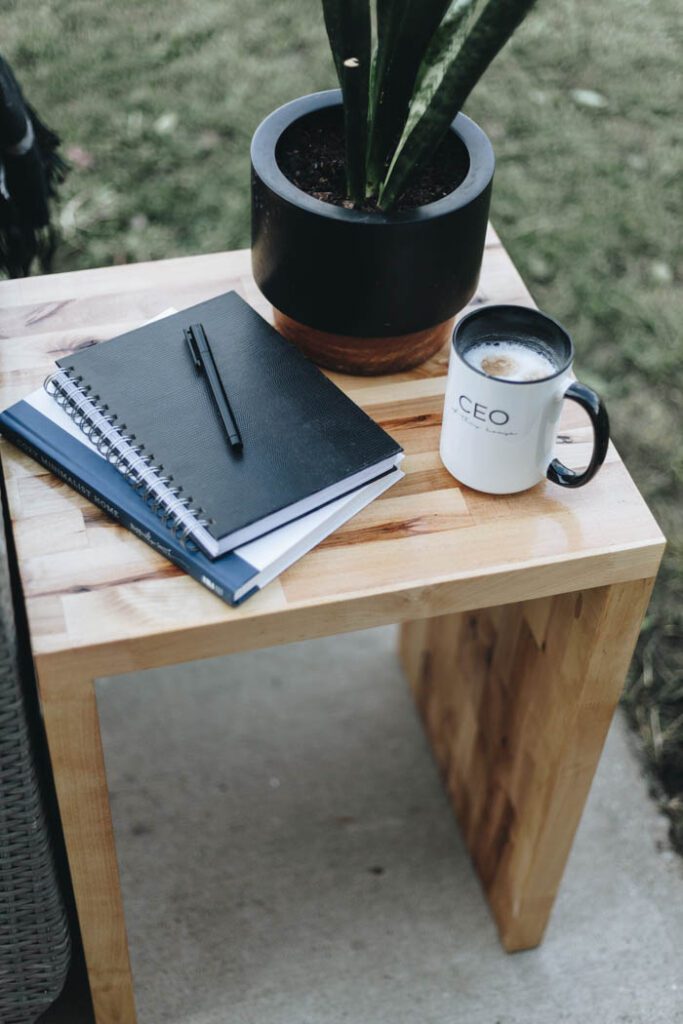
<point>156,104</point>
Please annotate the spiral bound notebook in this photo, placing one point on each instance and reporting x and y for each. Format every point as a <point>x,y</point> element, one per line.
<point>141,401</point>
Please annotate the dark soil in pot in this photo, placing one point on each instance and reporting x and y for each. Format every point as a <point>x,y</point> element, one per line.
<point>312,153</point>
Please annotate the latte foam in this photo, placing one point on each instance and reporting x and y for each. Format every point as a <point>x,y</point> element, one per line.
<point>510,360</point>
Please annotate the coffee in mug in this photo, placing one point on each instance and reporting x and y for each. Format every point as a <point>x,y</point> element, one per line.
<point>511,360</point>
<point>510,370</point>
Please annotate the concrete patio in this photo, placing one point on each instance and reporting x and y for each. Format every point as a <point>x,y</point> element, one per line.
<point>288,856</point>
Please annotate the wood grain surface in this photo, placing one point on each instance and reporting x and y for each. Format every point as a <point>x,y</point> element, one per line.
<point>368,357</point>
<point>517,701</point>
<point>73,730</point>
<point>94,590</point>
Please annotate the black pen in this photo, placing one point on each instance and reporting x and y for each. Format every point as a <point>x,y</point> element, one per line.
<point>202,356</point>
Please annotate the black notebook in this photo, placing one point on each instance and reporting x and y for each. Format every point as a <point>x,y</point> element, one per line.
<point>141,399</point>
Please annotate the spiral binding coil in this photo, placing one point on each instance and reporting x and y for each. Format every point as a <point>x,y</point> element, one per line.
<point>125,454</point>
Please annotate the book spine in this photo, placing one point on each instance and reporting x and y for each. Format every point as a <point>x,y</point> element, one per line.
<point>178,554</point>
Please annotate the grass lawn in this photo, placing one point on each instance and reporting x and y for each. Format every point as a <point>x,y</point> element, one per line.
<point>156,103</point>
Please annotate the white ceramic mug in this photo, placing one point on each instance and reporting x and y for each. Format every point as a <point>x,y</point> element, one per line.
<point>498,435</point>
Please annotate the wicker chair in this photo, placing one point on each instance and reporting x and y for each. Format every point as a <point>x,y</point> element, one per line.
<point>35,946</point>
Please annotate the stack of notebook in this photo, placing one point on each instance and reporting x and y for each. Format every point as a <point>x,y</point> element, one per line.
<point>134,425</point>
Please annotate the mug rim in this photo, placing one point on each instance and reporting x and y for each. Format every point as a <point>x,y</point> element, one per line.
<point>482,310</point>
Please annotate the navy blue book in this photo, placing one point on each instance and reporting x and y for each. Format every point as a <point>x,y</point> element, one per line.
<point>41,428</point>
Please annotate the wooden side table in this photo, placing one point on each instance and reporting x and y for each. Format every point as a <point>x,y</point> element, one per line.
<point>519,614</point>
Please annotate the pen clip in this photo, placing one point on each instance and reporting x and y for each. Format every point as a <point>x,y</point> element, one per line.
<point>191,343</point>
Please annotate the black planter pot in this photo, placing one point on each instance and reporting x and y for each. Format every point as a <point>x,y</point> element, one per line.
<point>365,292</point>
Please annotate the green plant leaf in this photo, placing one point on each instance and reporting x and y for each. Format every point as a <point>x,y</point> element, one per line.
<point>442,50</point>
<point>349,31</point>
<point>404,28</point>
<point>451,69</point>
<point>389,14</point>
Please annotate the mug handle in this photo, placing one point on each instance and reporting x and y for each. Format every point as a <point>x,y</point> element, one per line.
<point>593,404</point>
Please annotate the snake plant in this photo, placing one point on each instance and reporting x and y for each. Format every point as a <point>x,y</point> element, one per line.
<point>405,68</point>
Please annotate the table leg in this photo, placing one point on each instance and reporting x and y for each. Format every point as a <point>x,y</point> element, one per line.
<point>73,735</point>
<point>517,701</point>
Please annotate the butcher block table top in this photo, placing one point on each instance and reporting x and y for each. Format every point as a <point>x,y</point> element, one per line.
<point>428,546</point>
